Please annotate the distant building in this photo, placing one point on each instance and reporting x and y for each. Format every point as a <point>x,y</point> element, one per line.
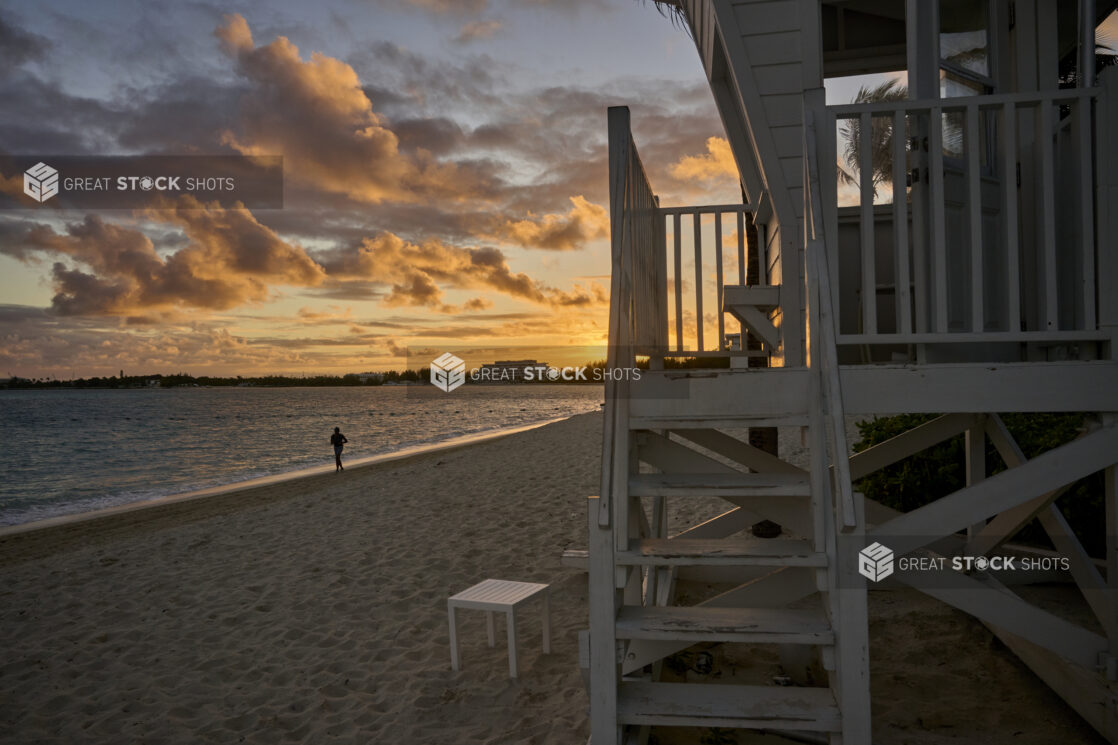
<point>374,377</point>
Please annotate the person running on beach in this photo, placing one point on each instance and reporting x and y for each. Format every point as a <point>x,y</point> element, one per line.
<point>338,440</point>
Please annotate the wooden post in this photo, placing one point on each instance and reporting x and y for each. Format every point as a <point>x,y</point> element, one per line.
<point>603,645</point>
<point>1085,70</point>
<point>1107,194</point>
<point>975,445</point>
<point>1110,497</point>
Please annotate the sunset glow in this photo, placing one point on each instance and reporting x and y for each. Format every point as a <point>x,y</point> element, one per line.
<point>444,166</point>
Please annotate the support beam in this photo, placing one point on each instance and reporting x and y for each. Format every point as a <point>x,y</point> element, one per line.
<point>975,448</point>
<point>1020,386</point>
<point>909,443</point>
<point>1009,523</point>
<point>1004,491</point>
<point>1083,690</point>
<point>740,452</point>
<point>671,457</point>
<point>991,602</point>
<point>757,323</point>
<point>1083,569</point>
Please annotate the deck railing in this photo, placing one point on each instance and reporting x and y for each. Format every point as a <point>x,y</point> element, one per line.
<point>830,419</point>
<point>639,275</point>
<point>649,241</point>
<point>990,232</point>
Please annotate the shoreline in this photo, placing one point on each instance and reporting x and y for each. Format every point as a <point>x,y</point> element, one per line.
<point>285,477</point>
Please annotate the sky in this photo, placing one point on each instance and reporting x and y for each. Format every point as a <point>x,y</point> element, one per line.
<point>445,180</point>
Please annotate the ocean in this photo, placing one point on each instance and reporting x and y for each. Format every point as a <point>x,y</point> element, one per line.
<point>73,451</point>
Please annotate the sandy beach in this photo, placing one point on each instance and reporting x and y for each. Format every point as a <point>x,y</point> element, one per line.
<point>314,611</point>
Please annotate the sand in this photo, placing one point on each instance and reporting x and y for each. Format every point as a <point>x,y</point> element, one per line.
<point>314,611</point>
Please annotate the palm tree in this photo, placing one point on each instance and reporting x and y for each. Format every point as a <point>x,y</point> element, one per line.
<point>881,137</point>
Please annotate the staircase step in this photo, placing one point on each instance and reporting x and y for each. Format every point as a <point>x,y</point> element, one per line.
<point>709,624</point>
<point>720,485</point>
<point>735,551</point>
<point>762,297</point>
<point>741,707</point>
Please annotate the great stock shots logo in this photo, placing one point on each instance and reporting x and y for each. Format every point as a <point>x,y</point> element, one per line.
<point>145,181</point>
<point>875,562</point>
<point>40,182</point>
<point>448,372</point>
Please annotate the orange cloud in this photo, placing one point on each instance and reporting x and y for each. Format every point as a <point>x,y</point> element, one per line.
<point>417,273</point>
<point>716,163</point>
<point>316,115</point>
<point>478,30</point>
<point>230,259</point>
<point>450,6</point>
<point>584,222</point>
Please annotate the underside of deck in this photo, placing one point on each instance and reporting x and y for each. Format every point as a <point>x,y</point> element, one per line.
<point>781,393</point>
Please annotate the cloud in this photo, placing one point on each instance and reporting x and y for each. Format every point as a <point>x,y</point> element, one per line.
<point>583,223</point>
<point>18,46</point>
<point>478,31</point>
<point>230,259</point>
<point>477,303</point>
<point>717,163</point>
<point>317,115</point>
<point>332,315</point>
<point>34,341</point>
<point>418,273</point>
<point>450,6</point>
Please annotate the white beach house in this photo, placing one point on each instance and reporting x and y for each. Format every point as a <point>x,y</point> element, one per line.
<point>953,251</point>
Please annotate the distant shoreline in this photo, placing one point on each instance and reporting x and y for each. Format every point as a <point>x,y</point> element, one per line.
<point>222,490</point>
<point>66,387</point>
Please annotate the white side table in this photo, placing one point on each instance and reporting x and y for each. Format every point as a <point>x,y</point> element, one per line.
<point>500,595</point>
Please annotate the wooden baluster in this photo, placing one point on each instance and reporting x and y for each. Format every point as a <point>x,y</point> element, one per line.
<point>866,226</point>
<point>1084,165</point>
<point>1047,216</point>
<point>696,222</point>
<point>937,224</point>
<point>902,297</point>
<point>1008,133</point>
<point>718,277</point>
<point>678,283</point>
<point>972,144</point>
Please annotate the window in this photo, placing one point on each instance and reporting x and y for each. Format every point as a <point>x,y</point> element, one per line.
<point>965,69</point>
<point>964,36</point>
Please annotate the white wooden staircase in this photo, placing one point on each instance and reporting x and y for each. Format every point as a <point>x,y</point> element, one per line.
<point>787,590</point>
<point>666,440</point>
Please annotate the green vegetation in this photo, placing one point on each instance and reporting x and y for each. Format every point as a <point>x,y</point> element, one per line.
<point>938,471</point>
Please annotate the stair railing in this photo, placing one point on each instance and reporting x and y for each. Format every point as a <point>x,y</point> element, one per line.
<point>823,352</point>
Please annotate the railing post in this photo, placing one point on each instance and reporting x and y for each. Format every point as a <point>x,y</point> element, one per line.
<point>1107,194</point>
<point>866,223</point>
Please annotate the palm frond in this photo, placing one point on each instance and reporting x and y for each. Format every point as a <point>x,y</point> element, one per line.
<point>880,157</point>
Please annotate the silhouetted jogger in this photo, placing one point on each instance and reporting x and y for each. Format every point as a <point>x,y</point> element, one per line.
<point>338,440</point>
